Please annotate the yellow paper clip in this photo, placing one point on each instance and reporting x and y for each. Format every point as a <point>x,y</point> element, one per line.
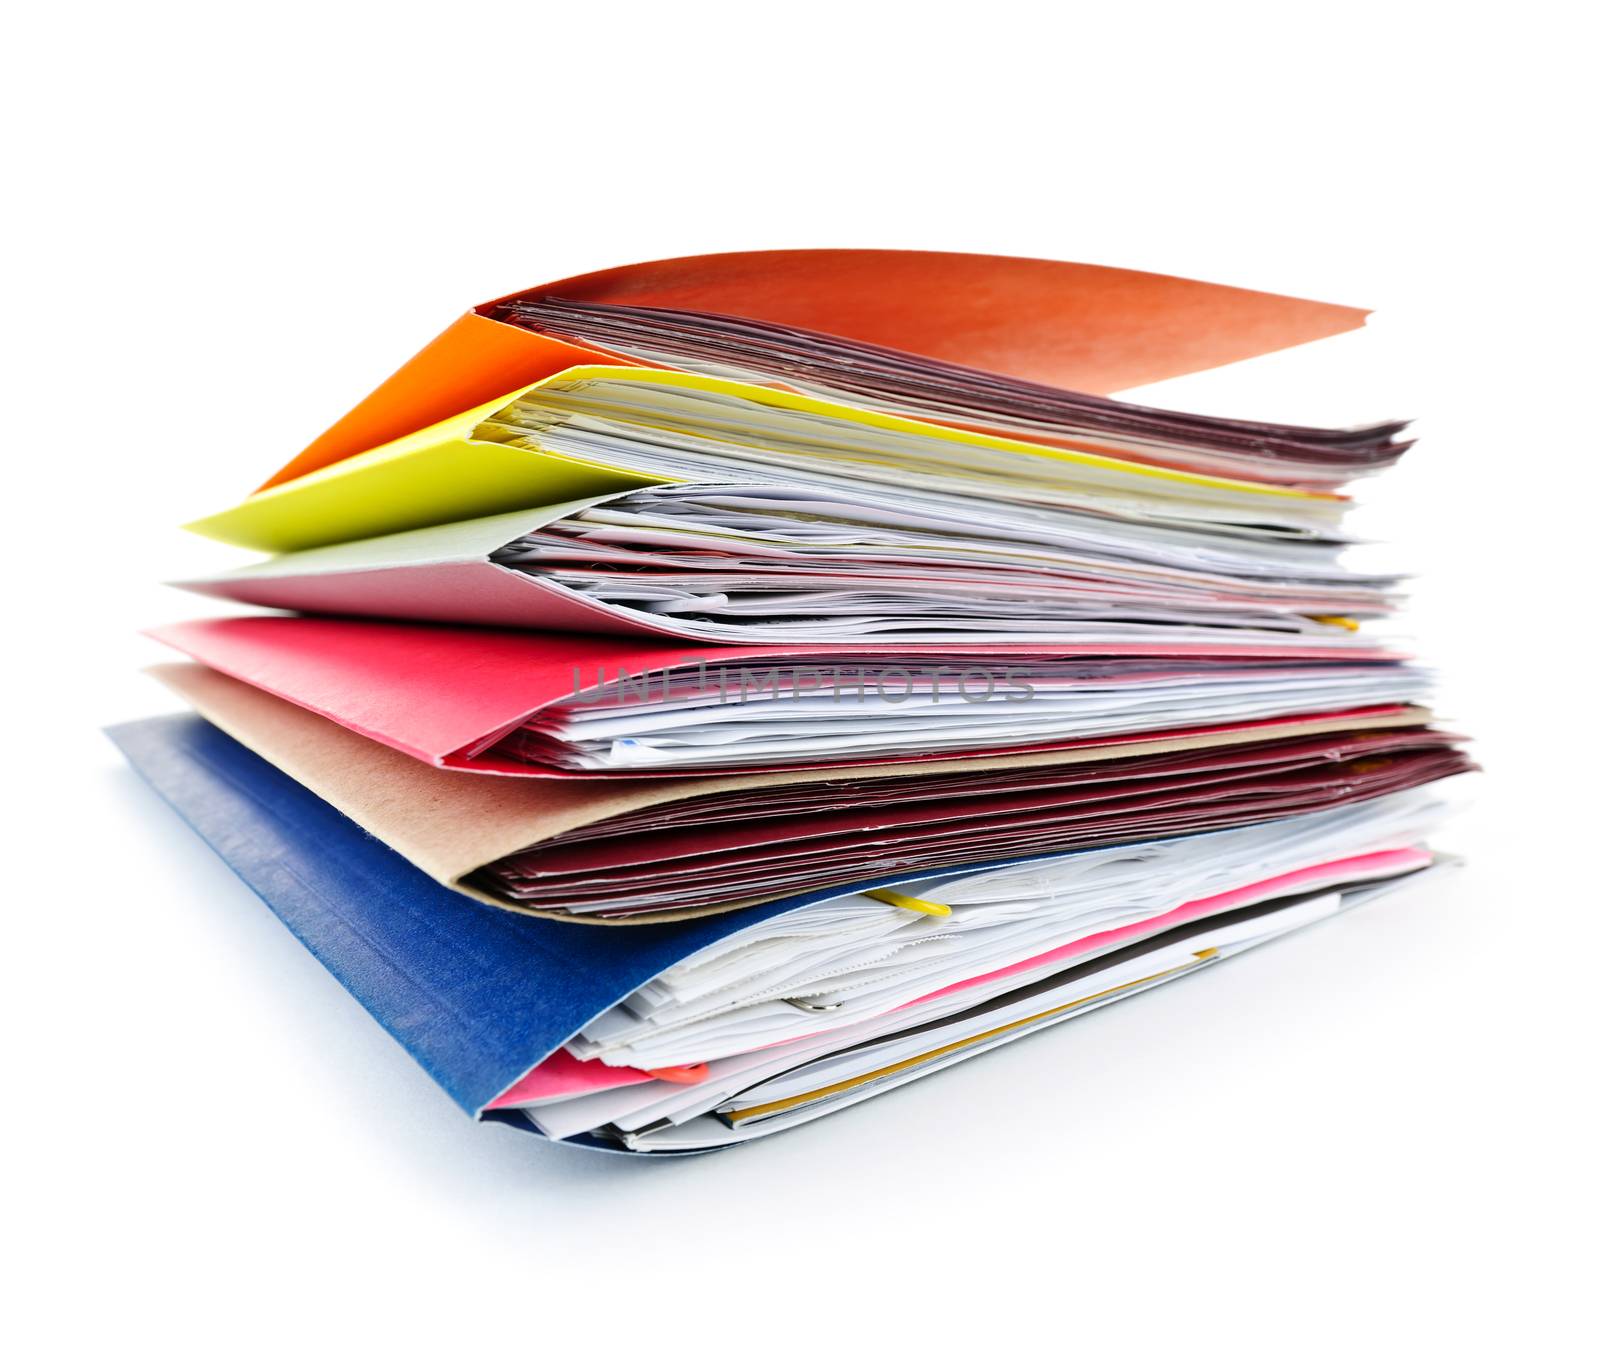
<point>885,895</point>
<point>1341,620</point>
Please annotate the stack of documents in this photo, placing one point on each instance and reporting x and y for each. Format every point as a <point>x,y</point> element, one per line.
<point>720,690</point>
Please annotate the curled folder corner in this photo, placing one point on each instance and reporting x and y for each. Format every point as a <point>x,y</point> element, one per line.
<point>1090,328</point>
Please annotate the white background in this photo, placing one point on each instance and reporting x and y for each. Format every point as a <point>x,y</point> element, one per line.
<point>226,223</point>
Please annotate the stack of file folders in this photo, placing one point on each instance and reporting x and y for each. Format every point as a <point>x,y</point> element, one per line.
<point>703,695</point>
